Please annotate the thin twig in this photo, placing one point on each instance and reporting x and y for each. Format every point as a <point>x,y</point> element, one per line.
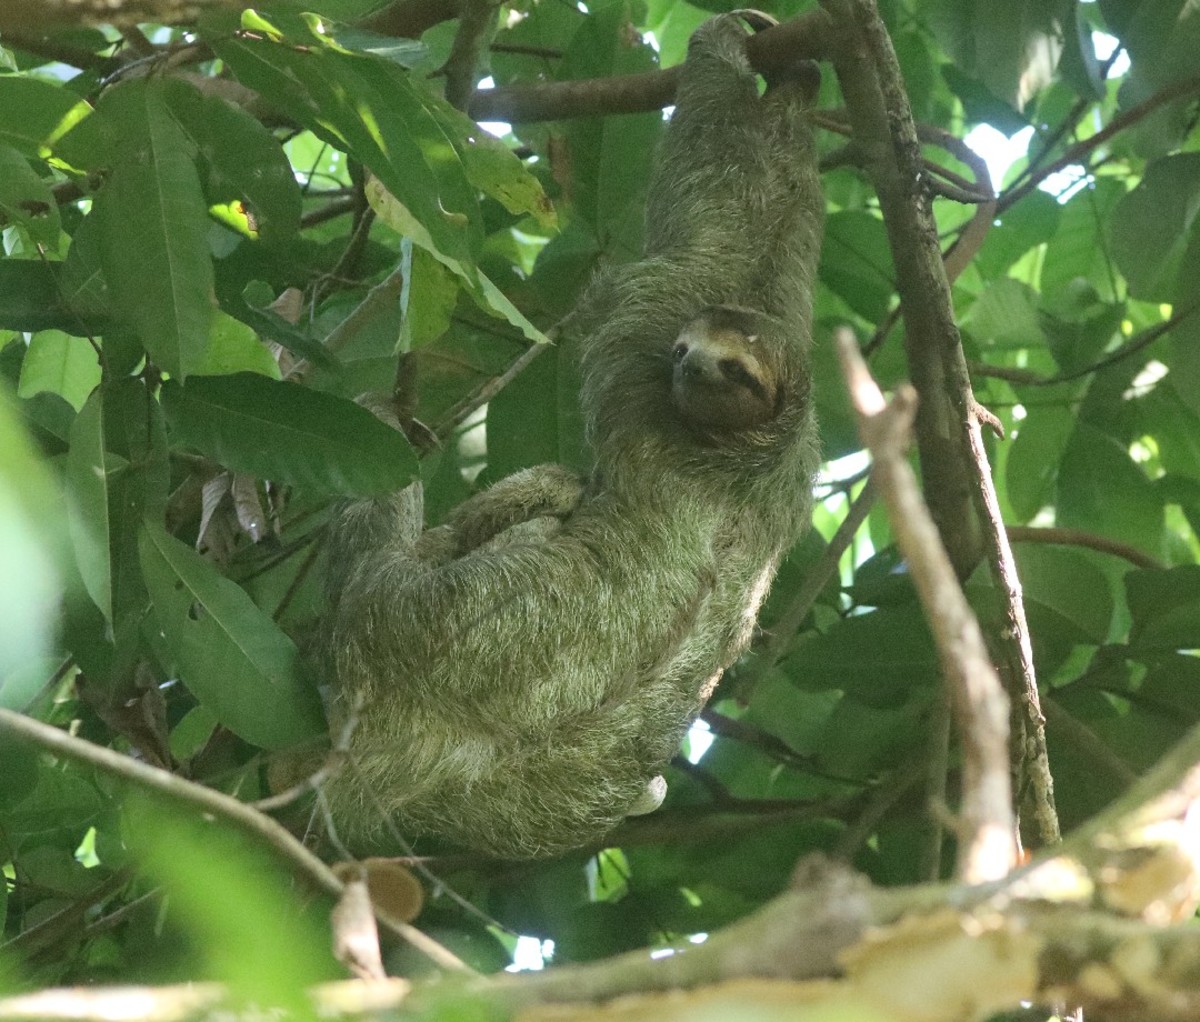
<point>1077,537</point>
<point>462,411</point>
<point>784,632</point>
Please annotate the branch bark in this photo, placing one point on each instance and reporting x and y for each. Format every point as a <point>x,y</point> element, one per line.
<point>806,36</point>
<point>985,824</point>
<point>242,816</point>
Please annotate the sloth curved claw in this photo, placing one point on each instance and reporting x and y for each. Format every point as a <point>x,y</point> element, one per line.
<point>756,20</point>
<point>651,798</point>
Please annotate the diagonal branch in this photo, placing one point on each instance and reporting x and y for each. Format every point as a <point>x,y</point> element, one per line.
<point>986,838</point>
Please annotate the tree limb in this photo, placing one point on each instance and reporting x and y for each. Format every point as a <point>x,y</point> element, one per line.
<point>770,50</point>
<point>987,829</point>
<point>246,819</point>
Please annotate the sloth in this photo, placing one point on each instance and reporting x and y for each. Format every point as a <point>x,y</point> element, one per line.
<point>521,674</point>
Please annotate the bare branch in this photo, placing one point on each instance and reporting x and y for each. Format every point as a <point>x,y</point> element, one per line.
<point>238,813</point>
<point>980,705</point>
<point>1077,537</point>
<point>769,50</point>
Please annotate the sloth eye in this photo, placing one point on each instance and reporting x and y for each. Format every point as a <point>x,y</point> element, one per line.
<point>678,352</point>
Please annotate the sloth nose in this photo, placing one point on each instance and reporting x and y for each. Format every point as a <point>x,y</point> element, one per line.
<point>699,365</point>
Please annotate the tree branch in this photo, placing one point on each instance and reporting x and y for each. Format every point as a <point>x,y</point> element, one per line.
<point>246,819</point>
<point>986,841</point>
<point>770,50</point>
<point>885,134</point>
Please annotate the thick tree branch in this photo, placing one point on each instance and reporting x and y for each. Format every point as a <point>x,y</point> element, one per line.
<point>885,134</point>
<point>1094,924</point>
<point>36,15</point>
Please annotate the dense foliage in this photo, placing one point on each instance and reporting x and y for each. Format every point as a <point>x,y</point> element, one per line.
<point>174,423</point>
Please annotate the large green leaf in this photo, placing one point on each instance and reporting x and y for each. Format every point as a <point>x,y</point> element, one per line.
<point>1033,462</point>
<point>1005,316</point>
<point>877,657</point>
<point>485,294</point>
<point>1011,47</point>
<point>230,654</point>
<point>154,242</point>
<point>30,299</point>
<point>1101,489</point>
<point>138,480</point>
<point>31,527</point>
<point>57,363</point>
<point>610,160</point>
<point>1166,608</point>
<point>288,433</point>
<point>856,263</point>
<point>1078,247</point>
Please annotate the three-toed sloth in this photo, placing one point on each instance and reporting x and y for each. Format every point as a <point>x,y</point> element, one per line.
<point>524,671</point>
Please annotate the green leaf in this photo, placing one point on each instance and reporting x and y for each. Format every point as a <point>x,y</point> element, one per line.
<point>369,109</point>
<point>34,113</point>
<point>1033,462</point>
<point>26,199</point>
<point>431,293</point>
<point>1081,328</point>
<point>1165,606</point>
<point>610,158</point>
<point>271,326</point>
<point>237,905</point>
<point>877,657</point>
<point>88,471</point>
<point>1066,591</point>
<point>230,654</point>
<point>1005,315</point>
<point>30,299</point>
<point>242,160</point>
<point>138,478</point>
<point>58,364</point>
<point>1100,489</point>
<point>288,433</point>
<point>192,733</point>
<point>488,163</point>
<point>1153,225</point>
<point>856,263</point>
<point>234,348</point>
<point>1011,47</point>
<point>154,242</point>
<point>1030,222</point>
<point>1078,248</point>
<point>485,294</point>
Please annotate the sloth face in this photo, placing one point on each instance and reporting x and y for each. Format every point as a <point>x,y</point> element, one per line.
<point>721,379</point>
